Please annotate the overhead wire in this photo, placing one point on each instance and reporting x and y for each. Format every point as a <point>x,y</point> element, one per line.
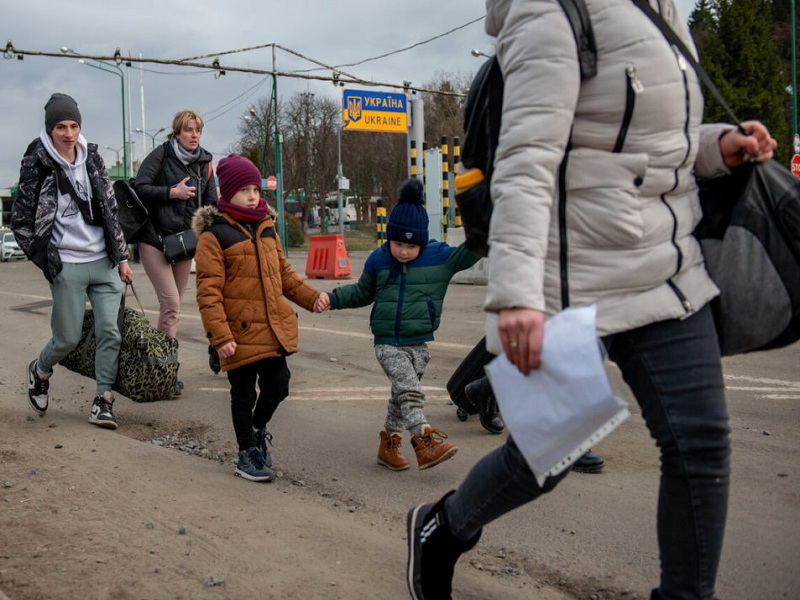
<point>338,75</point>
<point>400,50</point>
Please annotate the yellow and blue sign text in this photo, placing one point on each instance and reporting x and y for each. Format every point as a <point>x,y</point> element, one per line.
<point>374,111</point>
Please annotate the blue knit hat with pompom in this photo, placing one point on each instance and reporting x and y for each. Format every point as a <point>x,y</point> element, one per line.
<point>408,221</point>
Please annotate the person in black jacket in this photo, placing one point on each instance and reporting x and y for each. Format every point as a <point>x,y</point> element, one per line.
<point>174,180</point>
<point>65,221</point>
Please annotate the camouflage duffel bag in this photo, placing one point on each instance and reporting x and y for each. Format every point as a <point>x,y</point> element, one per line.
<point>148,358</point>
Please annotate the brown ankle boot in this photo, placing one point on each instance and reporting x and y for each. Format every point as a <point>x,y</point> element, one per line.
<point>389,452</point>
<point>431,449</point>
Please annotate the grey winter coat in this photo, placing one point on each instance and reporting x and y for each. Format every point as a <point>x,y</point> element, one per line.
<point>34,210</point>
<point>616,228</point>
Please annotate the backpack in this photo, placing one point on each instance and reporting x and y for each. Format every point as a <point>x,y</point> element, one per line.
<point>482,113</point>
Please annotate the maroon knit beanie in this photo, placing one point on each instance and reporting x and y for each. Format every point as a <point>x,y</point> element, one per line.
<point>234,173</point>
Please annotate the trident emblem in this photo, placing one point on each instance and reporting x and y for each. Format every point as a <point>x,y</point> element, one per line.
<point>354,108</point>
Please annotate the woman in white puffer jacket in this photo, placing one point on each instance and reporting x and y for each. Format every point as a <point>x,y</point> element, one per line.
<point>595,203</point>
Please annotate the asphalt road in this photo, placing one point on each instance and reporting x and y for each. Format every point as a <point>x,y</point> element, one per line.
<point>594,529</point>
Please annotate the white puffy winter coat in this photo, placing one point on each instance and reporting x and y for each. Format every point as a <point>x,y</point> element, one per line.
<point>617,231</point>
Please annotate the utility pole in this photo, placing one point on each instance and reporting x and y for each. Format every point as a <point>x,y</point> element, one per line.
<point>278,140</point>
<point>795,138</point>
<point>339,177</point>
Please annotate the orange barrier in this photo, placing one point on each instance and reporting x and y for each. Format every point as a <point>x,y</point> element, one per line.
<point>327,258</point>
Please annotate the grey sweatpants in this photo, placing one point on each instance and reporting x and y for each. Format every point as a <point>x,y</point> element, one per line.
<point>99,280</point>
<point>404,366</point>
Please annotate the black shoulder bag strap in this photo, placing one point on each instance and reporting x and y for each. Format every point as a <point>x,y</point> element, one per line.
<point>673,39</point>
<point>578,17</point>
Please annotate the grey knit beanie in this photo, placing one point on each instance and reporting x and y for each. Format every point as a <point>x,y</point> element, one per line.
<point>59,108</point>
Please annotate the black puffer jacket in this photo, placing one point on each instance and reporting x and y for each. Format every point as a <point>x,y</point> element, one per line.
<point>162,169</point>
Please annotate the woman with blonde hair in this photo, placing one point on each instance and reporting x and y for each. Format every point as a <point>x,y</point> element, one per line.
<point>174,180</point>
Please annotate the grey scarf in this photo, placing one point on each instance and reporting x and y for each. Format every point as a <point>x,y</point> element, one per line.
<point>184,156</point>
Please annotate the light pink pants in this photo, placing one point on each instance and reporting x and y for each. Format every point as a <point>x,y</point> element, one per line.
<point>169,282</point>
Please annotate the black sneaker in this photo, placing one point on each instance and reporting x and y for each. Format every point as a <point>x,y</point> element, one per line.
<point>213,360</point>
<point>262,438</point>
<point>480,393</point>
<point>38,389</point>
<point>101,414</point>
<point>251,466</point>
<point>589,463</point>
<point>432,552</point>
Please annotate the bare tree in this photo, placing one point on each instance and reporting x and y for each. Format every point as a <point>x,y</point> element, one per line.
<point>256,135</point>
<point>375,163</point>
<point>444,112</point>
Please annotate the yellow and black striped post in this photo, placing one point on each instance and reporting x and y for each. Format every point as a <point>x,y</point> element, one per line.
<point>380,213</point>
<point>413,155</point>
<point>456,160</point>
<point>445,188</point>
<point>424,167</point>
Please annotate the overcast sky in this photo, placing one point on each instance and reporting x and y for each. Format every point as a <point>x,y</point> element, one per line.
<point>331,32</point>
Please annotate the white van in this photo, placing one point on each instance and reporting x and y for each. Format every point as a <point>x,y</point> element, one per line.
<point>348,209</point>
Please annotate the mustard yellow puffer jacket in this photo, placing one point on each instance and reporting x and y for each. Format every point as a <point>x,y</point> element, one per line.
<point>243,283</point>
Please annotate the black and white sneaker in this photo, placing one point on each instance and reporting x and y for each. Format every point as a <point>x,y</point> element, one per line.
<point>432,552</point>
<point>38,389</point>
<point>251,466</point>
<point>101,414</point>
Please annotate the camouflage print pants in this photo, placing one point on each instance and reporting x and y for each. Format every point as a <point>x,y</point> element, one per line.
<point>404,366</point>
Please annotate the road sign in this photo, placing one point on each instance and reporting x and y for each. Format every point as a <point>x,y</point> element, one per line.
<point>272,183</point>
<point>364,110</point>
<point>796,165</point>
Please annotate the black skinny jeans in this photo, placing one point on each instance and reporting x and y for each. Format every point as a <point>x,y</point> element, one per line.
<point>250,411</point>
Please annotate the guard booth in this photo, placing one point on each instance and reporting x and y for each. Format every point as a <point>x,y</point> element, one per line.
<point>433,193</point>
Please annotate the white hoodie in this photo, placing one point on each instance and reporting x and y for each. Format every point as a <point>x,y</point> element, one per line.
<point>77,241</point>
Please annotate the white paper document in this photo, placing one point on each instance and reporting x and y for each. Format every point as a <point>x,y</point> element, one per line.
<point>560,410</point>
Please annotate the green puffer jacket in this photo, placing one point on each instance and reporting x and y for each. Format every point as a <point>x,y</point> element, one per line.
<point>407,298</point>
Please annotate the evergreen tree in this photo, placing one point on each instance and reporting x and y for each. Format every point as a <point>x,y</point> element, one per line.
<point>736,46</point>
<point>782,37</point>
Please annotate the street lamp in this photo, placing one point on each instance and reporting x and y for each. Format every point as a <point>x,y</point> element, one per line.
<point>114,150</point>
<point>477,54</point>
<point>114,70</point>
<point>277,140</point>
<point>340,177</point>
<point>262,140</point>
<point>151,135</point>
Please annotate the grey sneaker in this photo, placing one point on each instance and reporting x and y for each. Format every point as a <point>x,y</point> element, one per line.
<point>251,466</point>
<point>263,437</point>
<point>101,414</point>
<point>38,389</point>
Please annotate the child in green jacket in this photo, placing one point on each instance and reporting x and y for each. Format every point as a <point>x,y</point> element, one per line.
<point>405,280</point>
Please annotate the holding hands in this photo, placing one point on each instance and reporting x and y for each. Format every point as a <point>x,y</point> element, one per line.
<point>322,303</point>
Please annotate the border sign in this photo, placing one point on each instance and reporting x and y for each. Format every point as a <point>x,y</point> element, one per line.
<point>374,111</point>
